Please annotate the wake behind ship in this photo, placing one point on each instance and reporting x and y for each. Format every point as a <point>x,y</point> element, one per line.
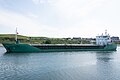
<point>103,43</point>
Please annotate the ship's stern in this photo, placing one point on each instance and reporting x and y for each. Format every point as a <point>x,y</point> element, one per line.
<point>111,47</point>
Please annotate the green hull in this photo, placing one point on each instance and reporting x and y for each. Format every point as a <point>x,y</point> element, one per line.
<point>26,48</point>
<point>19,48</point>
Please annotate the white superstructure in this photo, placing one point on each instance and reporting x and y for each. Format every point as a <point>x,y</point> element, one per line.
<point>104,39</point>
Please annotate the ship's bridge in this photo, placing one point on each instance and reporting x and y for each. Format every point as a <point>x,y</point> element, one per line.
<point>103,39</point>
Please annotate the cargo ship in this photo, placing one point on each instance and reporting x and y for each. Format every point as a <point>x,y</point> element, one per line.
<point>103,43</point>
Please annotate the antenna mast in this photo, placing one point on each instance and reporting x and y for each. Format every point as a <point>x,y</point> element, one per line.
<point>105,32</point>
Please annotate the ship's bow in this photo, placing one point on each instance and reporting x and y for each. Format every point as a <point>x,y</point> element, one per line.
<point>19,48</point>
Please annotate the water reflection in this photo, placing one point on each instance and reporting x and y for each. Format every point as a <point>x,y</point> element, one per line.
<point>105,56</point>
<point>105,65</point>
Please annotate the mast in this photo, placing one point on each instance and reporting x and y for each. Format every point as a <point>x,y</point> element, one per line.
<point>105,32</point>
<point>16,33</point>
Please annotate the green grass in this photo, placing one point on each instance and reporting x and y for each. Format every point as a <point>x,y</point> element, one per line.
<point>35,40</point>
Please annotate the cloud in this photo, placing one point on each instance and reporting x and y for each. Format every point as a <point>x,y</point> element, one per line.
<point>76,8</point>
<point>62,18</point>
<point>31,15</point>
<point>11,20</point>
<point>27,25</point>
<point>77,16</point>
<point>37,2</point>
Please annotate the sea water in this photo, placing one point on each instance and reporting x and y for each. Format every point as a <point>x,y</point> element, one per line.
<point>82,65</point>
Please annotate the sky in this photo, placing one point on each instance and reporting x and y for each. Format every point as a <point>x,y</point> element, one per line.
<point>60,18</point>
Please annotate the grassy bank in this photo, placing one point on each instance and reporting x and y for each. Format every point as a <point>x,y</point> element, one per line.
<point>10,38</point>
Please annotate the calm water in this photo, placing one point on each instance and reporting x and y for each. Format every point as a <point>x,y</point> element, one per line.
<point>60,65</point>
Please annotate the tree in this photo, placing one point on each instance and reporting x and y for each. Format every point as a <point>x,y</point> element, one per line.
<point>47,41</point>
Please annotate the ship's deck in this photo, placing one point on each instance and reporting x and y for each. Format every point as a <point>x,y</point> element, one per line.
<point>63,45</point>
<point>67,46</point>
